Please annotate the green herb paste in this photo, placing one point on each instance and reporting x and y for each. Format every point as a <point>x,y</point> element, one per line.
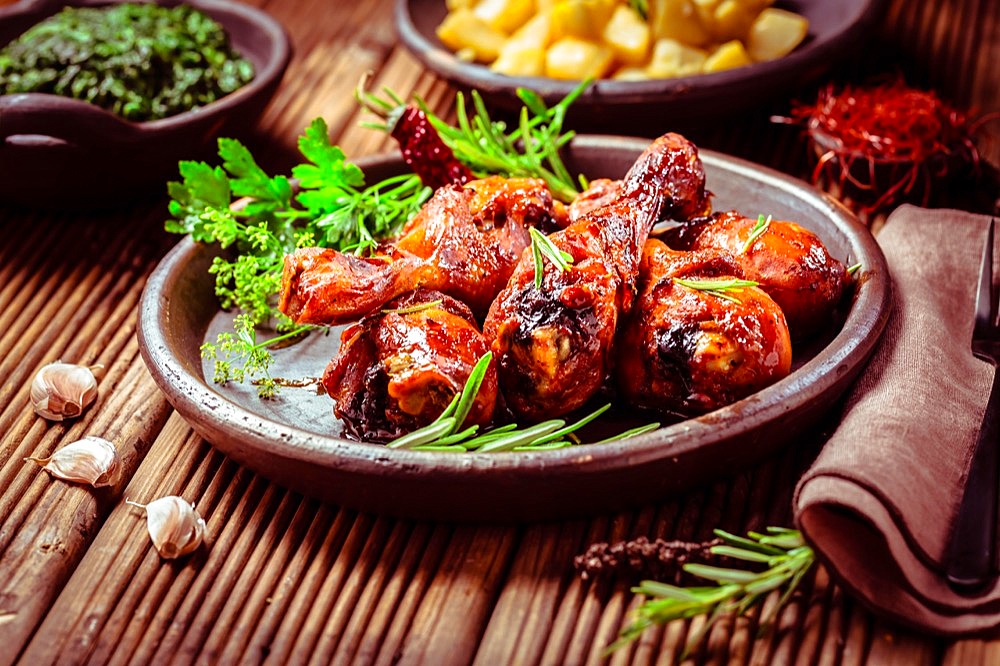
<point>140,61</point>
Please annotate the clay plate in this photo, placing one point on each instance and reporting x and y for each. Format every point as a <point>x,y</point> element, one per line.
<point>835,29</point>
<point>294,440</point>
<point>65,153</point>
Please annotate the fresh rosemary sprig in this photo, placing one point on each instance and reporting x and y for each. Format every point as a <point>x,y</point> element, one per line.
<point>426,305</point>
<point>782,551</point>
<point>530,150</point>
<point>718,288</point>
<point>443,433</point>
<point>542,246</point>
<point>758,230</point>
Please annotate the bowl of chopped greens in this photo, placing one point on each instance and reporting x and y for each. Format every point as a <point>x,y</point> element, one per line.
<point>99,100</point>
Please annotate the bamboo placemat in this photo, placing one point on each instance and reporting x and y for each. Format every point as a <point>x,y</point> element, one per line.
<point>286,579</point>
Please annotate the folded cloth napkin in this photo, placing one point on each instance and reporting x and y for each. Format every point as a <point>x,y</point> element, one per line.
<point>878,502</point>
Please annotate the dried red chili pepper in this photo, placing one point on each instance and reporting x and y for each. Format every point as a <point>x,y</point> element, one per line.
<point>422,147</point>
<point>423,150</point>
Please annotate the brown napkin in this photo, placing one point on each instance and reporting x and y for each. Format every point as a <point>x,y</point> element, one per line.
<point>878,502</point>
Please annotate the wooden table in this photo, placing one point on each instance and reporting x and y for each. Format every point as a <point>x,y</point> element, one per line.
<point>287,579</point>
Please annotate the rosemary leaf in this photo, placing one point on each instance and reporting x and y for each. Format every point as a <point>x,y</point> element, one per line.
<point>758,230</point>
<point>424,435</point>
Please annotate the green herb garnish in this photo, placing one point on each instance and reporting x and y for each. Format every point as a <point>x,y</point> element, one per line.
<point>781,551</point>
<point>640,6</point>
<point>239,356</point>
<point>333,208</point>
<point>542,246</point>
<point>757,231</point>
<point>140,61</point>
<point>530,150</point>
<point>443,433</point>
<point>718,288</point>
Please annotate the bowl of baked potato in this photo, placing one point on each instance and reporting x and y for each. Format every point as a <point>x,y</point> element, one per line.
<point>652,62</point>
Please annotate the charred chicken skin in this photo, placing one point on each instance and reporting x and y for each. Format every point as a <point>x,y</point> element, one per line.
<point>790,262</point>
<point>690,351</point>
<point>465,242</point>
<point>399,368</point>
<point>553,344</point>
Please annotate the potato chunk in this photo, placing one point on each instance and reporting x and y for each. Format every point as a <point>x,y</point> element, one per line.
<point>730,55</point>
<point>677,19</point>
<point>585,19</point>
<point>462,30</point>
<point>627,35</point>
<point>505,15</point>
<point>524,53</point>
<point>672,58</point>
<point>775,33</point>
<point>573,58</point>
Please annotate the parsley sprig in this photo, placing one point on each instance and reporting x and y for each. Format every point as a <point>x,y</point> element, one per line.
<point>443,433</point>
<point>263,217</point>
<point>782,552</point>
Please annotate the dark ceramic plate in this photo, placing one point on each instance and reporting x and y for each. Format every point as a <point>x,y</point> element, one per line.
<point>295,441</point>
<point>61,152</point>
<point>835,29</point>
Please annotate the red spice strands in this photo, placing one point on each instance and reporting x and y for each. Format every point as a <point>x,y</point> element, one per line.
<point>887,141</point>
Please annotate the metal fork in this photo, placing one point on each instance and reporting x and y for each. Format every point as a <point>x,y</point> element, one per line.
<point>971,551</point>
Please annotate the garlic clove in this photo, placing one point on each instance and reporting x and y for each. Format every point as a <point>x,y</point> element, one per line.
<point>174,526</point>
<point>63,390</point>
<point>90,460</point>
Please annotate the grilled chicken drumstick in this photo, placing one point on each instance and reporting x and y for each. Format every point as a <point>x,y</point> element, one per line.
<point>689,350</point>
<point>790,262</point>
<point>465,242</point>
<point>553,344</point>
<point>398,369</point>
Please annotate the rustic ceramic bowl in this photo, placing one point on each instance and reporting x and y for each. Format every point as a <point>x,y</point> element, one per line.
<point>61,152</point>
<point>881,183</point>
<point>835,29</point>
<point>296,441</point>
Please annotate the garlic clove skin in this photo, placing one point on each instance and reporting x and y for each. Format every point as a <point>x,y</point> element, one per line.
<point>174,526</point>
<point>90,460</point>
<point>63,390</point>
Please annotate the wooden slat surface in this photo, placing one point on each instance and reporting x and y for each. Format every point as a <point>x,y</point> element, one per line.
<point>287,579</point>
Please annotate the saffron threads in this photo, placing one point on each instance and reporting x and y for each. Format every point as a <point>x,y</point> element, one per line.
<point>887,140</point>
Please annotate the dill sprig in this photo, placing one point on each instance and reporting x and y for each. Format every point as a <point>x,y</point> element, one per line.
<point>719,288</point>
<point>239,357</point>
<point>782,552</point>
<point>444,434</point>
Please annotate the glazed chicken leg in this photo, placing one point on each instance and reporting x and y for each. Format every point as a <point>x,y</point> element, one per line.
<point>790,262</point>
<point>398,369</point>
<point>465,242</point>
<point>553,344</point>
<point>691,351</point>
